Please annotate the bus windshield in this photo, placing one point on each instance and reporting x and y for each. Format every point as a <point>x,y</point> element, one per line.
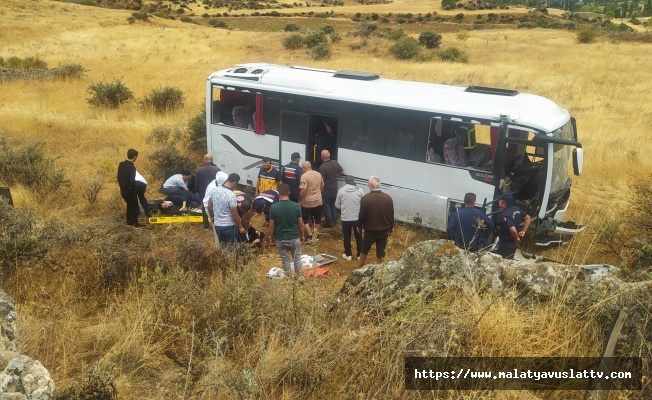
<point>560,179</point>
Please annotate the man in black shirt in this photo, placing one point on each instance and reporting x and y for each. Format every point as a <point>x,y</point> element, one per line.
<point>127,182</point>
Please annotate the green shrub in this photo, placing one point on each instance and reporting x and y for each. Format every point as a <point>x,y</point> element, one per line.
<point>170,159</point>
<point>609,15</point>
<point>321,52</point>
<point>69,71</point>
<point>635,21</point>
<point>314,39</point>
<point>196,131</point>
<point>328,29</point>
<point>141,16</point>
<point>405,49</point>
<point>391,34</point>
<point>448,4</point>
<point>187,20</point>
<point>2,62</point>
<point>459,17</point>
<point>293,42</point>
<point>34,63</point>
<point>14,62</point>
<point>453,54</point>
<point>586,35</point>
<point>365,30</point>
<point>164,99</point>
<point>26,63</point>
<point>30,167</point>
<point>291,28</point>
<point>109,94</point>
<point>164,135</point>
<point>462,35</point>
<point>216,23</point>
<point>430,39</point>
<point>21,238</point>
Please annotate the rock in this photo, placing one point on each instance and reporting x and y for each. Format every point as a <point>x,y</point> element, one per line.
<point>7,323</point>
<point>436,265</point>
<point>21,377</point>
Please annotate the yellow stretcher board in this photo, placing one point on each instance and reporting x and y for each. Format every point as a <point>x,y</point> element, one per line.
<point>171,219</point>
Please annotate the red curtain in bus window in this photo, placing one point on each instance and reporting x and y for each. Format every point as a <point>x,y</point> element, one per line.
<point>259,122</point>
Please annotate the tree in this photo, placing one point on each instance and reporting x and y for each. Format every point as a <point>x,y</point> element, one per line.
<point>430,39</point>
<point>624,12</point>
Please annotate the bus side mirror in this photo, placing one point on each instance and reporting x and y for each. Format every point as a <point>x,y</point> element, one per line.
<point>578,161</point>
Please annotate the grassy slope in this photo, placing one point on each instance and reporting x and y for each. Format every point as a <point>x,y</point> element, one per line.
<point>604,85</point>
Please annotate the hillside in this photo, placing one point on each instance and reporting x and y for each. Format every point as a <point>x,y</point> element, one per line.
<point>162,314</point>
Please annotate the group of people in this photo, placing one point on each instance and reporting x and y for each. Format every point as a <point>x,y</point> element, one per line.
<point>314,193</point>
<point>470,227</point>
<point>293,201</point>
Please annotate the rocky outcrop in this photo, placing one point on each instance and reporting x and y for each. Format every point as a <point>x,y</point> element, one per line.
<point>21,378</point>
<point>432,266</point>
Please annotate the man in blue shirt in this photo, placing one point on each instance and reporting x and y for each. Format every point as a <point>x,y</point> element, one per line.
<point>513,224</point>
<point>470,226</point>
<point>292,176</point>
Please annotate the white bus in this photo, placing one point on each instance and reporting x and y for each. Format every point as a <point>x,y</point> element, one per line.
<point>430,144</point>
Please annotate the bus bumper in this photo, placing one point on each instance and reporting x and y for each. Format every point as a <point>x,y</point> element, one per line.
<point>556,232</point>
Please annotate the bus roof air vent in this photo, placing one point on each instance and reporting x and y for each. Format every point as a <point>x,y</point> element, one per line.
<point>490,90</point>
<point>361,76</point>
<point>240,71</point>
<point>257,71</point>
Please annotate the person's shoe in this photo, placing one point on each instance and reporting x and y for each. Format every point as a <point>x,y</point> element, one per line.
<point>347,258</point>
<point>195,210</point>
<point>182,209</point>
<point>138,225</point>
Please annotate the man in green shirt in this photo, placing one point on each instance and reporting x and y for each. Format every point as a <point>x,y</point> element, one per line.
<point>285,229</point>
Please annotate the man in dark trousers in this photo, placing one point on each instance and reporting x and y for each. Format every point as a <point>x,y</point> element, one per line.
<point>205,175</point>
<point>469,227</point>
<point>127,182</point>
<point>513,224</point>
<point>292,176</point>
<point>377,219</point>
<point>329,170</point>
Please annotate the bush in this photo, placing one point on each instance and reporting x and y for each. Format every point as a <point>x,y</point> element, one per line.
<point>448,4</point>
<point>169,159</point>
<point>391,34</point>
<point>405,49</point>
<point>609,15</point>
<point>109,94</point>
<point>197,131</point>
<point>34,63</point>
<point>30,167</point>
<point>164,99</point>
<point>459,17</point>
<point>26,63</point>
<point>95,385</point>
<point>314,39</point>
<point>365,30</point>
<point>430,39</point>
<point>140,16</point>
<point>453,54</point>
<point>69,71</point>
<point>321,52</point>
<point>216,23</point>
<point>328,29</point>
<point>586,35</point>
<point>20,238</point>
<point>291,28</point>
<point>462,36</point>
<point>293,42</point>
<point>164,135</point>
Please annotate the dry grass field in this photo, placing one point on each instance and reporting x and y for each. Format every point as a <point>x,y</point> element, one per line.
<point>169,333</point>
